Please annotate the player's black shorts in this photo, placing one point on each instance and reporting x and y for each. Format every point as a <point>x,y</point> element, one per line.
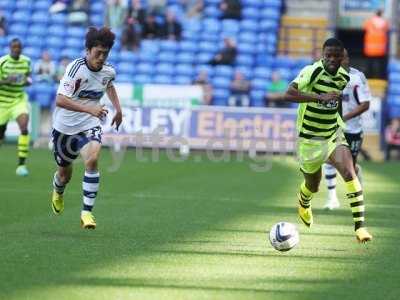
<point>355,141</point>
<point>66,147</point>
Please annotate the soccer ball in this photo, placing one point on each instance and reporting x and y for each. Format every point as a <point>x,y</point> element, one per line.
<point>283,236</point>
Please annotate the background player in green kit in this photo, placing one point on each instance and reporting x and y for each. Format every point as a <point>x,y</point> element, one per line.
<point>318,89</point>
<point>15,70</point>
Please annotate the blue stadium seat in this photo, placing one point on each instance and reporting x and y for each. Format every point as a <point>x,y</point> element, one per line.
<point>394,111</point>
<point>71,52</point>
<point>220,97</point>
<point>394,65</point>
<point>249,25</point>
<point>42,5</point>
<point>248,37</point>
<point>97,8</point>
<point>76,32</point>
<point>214,2</point>
<point>56,54</point>
<point>125,68</point>
<point>37,30</point>
<point>7,5</point>
<point>257,98</point>
<point>163,79</point>
<point>246,71</point>
<point>167,57</point>
<point>264,60</point>
<point>212,11</point>
<point>97,19</point>
<point>211,25</point>
<point>114,56</point>
<point>34,41</point>
<point>192,25</point>
<point>250,13</point>
<point>184,69</point>
<point>209,37</point>
<point>206,47</point>
<point>260,84</point>
<point>44,93</point>
<point>270,13</point>
<point>21,17</point>
<point>223,71</point>
<point>124,78</point>
<point>245,60</point>
<point>394,77</point>
<point>221,82</point>
<point>127,56</point>
<point>187,46</point>
<point>74,43</point>
<point>247,48</point>
<point>252,3</point>
<point>268,25</point>
<point>58,19</point>
<point>150,46</point>
<point>145,68</point>
<point>261,72</point>
<point>142,79</point>
<point>209,69</point>
<point>286,74</point>
<point>165,69</point>
<point>40,17</point>
<point>147,57</point>
<point>182,79</point>
<point>32,52</point>
<point>186,58</point>
<point>283,62</point>
<point>23,5</point>
<point>169,46</point>
<point>230,26</point>
<point>18,29</point>
<point>274,3</point>
<point>204,57</point>
<point>55,42</point>
<point>57,30</point>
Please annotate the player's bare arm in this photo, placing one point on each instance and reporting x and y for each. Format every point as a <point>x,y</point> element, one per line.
<point>294,95</point>
<point>98,111</point>
<point>113,96</point>
<point>363,107</point>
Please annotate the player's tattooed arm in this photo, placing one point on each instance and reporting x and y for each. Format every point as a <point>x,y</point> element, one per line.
<point>294,95</point>
<point>113,96</point>
<point>65,102</point>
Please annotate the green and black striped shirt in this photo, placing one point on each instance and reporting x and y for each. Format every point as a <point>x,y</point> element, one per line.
<point>11,93</point>
<point>317,120</point>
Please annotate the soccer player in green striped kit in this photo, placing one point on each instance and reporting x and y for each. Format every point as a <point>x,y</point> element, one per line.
<point>318,89</point>
<point>15,70</point>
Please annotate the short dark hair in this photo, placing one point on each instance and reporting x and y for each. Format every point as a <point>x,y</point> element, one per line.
<point>15,40</point>
<point>99,37</point>
<point>333,42</point>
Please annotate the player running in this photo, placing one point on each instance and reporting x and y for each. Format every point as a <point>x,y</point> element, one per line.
<point>355,101</point>
<point>15,71</point>
<point>318,89</point>
<point>76,120</point>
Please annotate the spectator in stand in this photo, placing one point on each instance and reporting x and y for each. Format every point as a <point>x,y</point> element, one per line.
<point>171,30</point>
<point>392,138</point>
<point>151,29</point>
<point>78,13</point>
<point>115,14</point>
<point>45,68</point>
<point>62,66</point>
<point>231,9</point>
<point>276,90</point>
<point>156,7</point>
<point>136,11</point>
<point>3,24</point>
<point>227,55</point>
<point>193,8</point>
<point>376,45</point>
<point>59,6</point>
<point>240,90</point>
<point>204,82</point>
<point>130,39</point>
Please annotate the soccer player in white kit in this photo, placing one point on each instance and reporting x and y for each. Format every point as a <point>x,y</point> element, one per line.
<point>355,101</point>
<point>76,120</point>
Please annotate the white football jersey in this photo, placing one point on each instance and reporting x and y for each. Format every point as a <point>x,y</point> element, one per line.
<point>87,87</point>
<point>356,92</point>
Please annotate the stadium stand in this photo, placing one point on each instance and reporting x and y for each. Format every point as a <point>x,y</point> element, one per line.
<point>173,62</point>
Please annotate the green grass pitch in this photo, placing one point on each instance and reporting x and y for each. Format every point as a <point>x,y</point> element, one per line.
<point>189,230</point>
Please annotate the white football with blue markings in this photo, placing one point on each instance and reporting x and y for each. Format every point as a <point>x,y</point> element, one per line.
<point>284,236</point>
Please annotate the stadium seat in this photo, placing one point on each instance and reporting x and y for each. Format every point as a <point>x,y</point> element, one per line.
<point>268,25</point>
<point>74,43</point>
<point>55,42</point>
<point>147,57</point>
<point>182,79</point>
<point>221,82</point>
<point>142,79</point>
<point>211,25</point>
<point>57,30</point>
<point>150,46</point>
<point>204,57</point>
<point>163,79</point>
<point>248,37</point>
<point>394,77</point>
<point>246,71</point>
<point>97,8</point>
<point>37,30</point>
<point>249,25</point>
<point>245,60</point>
<point>76,32</point>
<point>247,48</point>
<point>125,68</point>
<point>230,26</point>
<point>270,13</point>
<point>71,52</point>
<point>184,69</point>
<point>167,57</point>
<point>44,94</point>
<point>18,29</point>
<point>42,5</point>
<point>170,46</point>
<point>32,52</point>
<point>40,17</point>
<point>21,17</point>
<point>223,71</point>
<point>207,68</point>
<point>206,47</point>
<point>7,5</point>
<point>186,58</point>
<point>257,98</point>
<point>145,68</point>
<point>165,69</point>
<point>192,25</point>
<point>127,56</point>
<point>23,5</point>
<point>188,46</point>
<point>58,19</point>
<point>212,11</point>
<point>34,41</point>
<point>260,84</point>
<point>250,13</point>
<point>262,72</point>
<point>124,78</point>
<point>283,62</point>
